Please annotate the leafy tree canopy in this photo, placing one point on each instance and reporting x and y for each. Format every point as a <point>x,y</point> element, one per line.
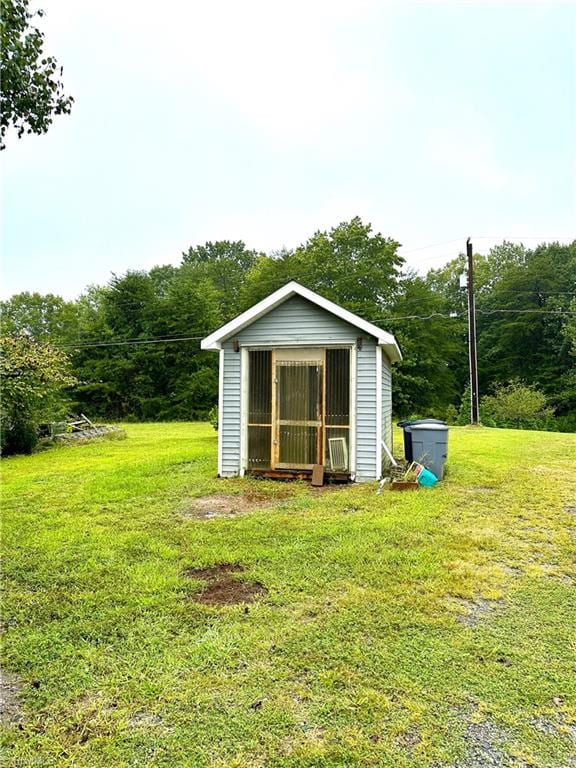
<point>348,264</point>
<point>41,316</point>
<point>31,92</point>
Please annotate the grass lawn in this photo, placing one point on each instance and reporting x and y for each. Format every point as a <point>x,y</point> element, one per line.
<point>433,629</point>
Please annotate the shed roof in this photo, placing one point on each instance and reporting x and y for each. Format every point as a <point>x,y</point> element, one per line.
<point>384,339</point>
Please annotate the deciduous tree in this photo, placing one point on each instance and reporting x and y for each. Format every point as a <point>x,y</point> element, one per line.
<point>32,92</point>
<point>34,376</point>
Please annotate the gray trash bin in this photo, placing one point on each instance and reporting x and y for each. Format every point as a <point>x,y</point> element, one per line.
<point>407,430</point>
<point>430,445</point>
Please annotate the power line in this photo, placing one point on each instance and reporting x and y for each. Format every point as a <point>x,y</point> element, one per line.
<point>127,343</point>
<point>524,311</point>
<point>397,318</point>
<point>536,290</point>
<point>510,238</point>
<point>433,245</point>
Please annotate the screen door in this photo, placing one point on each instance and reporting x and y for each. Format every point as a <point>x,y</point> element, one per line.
<point>298,428</point>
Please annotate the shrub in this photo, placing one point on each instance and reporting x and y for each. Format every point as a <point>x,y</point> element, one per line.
<point>34,376</point>
<point>451,415</point>
<point>213,417</point>
<point>516,405</point>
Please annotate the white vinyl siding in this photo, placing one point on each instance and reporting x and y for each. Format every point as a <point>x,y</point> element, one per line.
<point>366,411</point>
<point>230,416</point>
<point>387,427</point>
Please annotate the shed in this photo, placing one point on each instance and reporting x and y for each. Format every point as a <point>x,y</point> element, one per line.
<point>303,381</point>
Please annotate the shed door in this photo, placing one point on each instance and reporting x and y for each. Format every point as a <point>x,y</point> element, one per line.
<point>298,408</point>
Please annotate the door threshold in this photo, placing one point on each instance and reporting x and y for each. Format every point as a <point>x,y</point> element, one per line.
<point>298,474</point>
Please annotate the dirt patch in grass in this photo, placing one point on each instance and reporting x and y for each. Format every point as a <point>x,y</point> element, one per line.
<point>222,587</point>
<point>10,706</point>
<point>555,723</point>
<point>409,739</point>
<point>485,743</point>
<point>476,610</point>
<point>227,505</point>
<point>513,570</point>
<point>570,510</point>
<point>146,720</point>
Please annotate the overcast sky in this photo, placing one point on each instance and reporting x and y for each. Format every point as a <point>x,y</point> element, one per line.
<point>265,121</point>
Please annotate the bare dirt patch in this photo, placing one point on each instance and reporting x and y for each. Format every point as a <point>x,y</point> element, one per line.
<point>485,742</point>
<point>555,724</point>
<point>147,720</point>
<point>570,510</point>
<point>222,587</point>
<point>10,706</point>
<point>227,505</point>
<point>513,570</point>
<point>409,739</point>
<point>476,610</point>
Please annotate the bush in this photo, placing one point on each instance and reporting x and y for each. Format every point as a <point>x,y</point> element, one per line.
<point>34,377</point>
<point>20,437</point>
<point>463,417</point>
<point>516,405</point>
<point>213,417</point>
<point>566,423</point>
<point>451,415</point>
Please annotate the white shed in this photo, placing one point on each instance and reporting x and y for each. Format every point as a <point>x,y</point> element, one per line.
<point>303,381</point>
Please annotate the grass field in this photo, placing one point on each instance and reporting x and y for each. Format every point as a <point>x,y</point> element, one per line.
<point>429,629</point>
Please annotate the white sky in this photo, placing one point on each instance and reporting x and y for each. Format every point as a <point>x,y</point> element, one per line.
<point>265,121</point>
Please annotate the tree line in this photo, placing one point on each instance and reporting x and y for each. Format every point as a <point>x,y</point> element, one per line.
<point>133,344</point>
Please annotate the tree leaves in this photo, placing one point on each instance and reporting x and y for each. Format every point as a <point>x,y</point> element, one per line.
<point>34,377</point>
<point>32,92</point>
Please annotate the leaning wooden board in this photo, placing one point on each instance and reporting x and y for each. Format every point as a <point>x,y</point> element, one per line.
<point>403,485</point>
<point>318,474</point>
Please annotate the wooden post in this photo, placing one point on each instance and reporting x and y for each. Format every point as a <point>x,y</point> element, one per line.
<point>472,337</point>
<point>275,447</point>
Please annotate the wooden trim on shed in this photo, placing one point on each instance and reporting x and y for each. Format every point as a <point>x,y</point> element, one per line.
<point>275,447</point>
<point>352,436</point>
<point>321,448</point>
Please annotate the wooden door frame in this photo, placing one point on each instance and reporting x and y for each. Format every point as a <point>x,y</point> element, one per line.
<point>244,394</point>
<point>319,424</point>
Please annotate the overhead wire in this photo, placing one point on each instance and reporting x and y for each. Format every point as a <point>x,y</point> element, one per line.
<point>392,318</point>
<point>83,345</point>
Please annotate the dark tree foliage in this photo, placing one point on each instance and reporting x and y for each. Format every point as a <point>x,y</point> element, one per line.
<point>31,90</point>
<point>349,264</point>
<point>524,302</point>
<point>434,369</point>
<point>224,264</point>
<point>121,376</point>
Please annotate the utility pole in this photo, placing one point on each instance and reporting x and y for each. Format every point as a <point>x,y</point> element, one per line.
<point>472,337</point>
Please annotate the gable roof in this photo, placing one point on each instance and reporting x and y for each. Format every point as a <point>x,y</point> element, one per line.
<point>384,339</point>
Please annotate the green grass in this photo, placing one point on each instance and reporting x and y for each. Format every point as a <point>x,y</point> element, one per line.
<point>356,656</point>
